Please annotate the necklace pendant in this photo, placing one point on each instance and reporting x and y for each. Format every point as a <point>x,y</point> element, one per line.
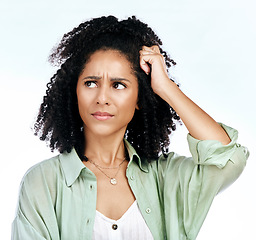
<point>113,181</point>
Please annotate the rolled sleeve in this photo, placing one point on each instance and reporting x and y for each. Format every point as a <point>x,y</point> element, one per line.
<point>213,152</point>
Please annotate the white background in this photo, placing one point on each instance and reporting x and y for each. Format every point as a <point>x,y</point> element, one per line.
<point>213,43</point>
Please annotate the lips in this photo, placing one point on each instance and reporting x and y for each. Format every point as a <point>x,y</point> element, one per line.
<point>101,116</point>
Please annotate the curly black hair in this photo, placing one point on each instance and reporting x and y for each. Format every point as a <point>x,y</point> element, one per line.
<point>58,121</point>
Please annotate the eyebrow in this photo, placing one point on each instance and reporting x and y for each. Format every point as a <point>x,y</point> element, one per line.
<point>111,79</point>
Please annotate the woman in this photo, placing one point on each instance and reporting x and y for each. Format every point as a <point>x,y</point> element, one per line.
<point>109,111</point>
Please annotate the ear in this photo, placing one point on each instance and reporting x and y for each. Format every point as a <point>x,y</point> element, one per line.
<point>137,107</point>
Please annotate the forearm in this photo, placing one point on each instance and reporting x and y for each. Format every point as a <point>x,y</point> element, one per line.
<point>199,124</point>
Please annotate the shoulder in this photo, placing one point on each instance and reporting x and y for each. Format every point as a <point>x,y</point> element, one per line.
<point>45,172</point>
<point>48,165</point>
<point>172,162</point>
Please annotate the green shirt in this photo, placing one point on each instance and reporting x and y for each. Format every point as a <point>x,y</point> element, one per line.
<point>58,196</point>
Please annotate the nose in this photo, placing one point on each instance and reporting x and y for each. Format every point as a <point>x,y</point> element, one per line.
<point>103,97</point>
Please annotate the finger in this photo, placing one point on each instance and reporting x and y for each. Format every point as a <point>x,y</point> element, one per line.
<point>144,66</point>
<point>153,48</point>
<point>145,61</point>
<point>145,52</point>
<point>149,56</point>
<point>147,49</point>
<point>156,49</point>
<point>151,59</point>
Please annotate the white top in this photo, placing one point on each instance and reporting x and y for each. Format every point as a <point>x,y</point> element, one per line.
<point>130,226</point>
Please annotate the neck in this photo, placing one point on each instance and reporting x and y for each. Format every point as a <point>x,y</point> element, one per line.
<point>105,150</point>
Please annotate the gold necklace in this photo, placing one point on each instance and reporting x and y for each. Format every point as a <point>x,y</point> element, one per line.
<point>113,180</point>
<point>98,166</point>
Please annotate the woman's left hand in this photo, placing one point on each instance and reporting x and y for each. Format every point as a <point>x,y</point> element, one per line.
<point>152,61</point>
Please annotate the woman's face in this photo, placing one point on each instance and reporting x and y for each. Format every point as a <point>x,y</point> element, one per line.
<point>107,92</point>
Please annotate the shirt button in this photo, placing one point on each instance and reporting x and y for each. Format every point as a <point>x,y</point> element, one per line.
<point>91,187</point>
<point>132,177</point>
<point>88,221</point>
<point>148,210</point>
<point>114,226</point>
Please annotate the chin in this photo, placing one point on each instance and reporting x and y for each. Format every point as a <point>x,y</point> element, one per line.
<point>105,131</point>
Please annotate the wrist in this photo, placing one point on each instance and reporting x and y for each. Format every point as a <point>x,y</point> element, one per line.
<point>167,90</point>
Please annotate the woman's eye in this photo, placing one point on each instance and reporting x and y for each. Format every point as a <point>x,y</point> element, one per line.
<point>119,86</point>
<point>90,84</point>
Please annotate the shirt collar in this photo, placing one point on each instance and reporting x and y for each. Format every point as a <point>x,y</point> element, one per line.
<point>135,157</point>
<point>72,164</point>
